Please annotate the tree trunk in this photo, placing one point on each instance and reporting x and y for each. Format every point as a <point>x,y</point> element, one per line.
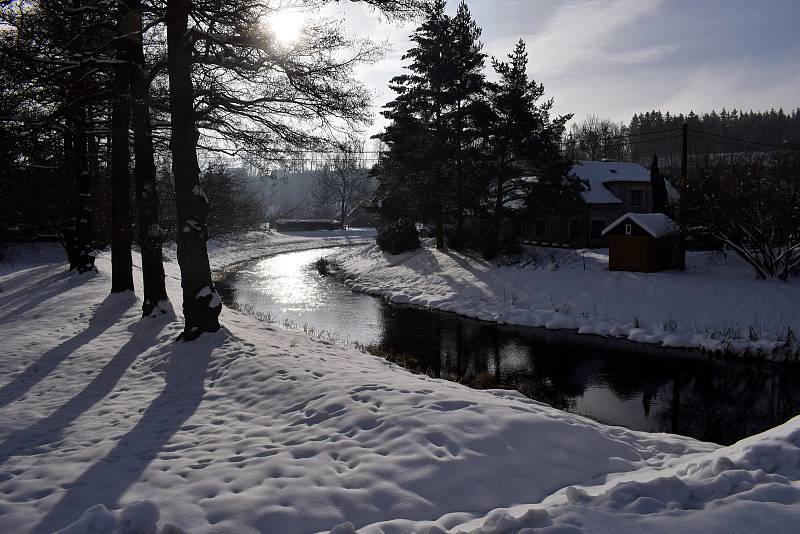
<point>78,234</point>
<point>439,222</point>
<point>147,202</point>
<point>495,245</point>
<point>201,304</point>
<point>121,262</point>
<point>459,245</point>
<point>439,215</point>
<point>78,231</point>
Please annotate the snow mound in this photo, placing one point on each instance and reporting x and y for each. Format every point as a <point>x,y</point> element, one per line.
<point>761,473</point>
<point>140,517</point>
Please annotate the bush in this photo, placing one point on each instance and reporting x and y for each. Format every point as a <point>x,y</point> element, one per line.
<point>323,266</point>
<point>398,236</point>
<point>479,237</point>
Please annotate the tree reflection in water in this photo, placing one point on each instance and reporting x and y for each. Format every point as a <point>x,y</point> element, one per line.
<point>711,398</point>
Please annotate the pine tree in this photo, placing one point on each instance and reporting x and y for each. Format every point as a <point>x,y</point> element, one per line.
<point>464,90</point>
<point>659,186</point>
<point>413,169</point>
<point>522,145</point>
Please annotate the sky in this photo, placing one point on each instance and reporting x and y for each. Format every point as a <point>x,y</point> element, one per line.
<point>614,58</point>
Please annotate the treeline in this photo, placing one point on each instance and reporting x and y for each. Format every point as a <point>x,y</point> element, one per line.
<point>460,147</point>
<point>712,136</point>
<point>104,105</point>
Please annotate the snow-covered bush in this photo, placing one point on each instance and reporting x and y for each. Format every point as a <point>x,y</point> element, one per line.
<point>398,236</point>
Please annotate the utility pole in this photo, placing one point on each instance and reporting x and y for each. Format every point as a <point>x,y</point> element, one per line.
<point>685,151</point>
<point>681,263</point>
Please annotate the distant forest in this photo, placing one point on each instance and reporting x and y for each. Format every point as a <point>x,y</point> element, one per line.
<point>712,136</point>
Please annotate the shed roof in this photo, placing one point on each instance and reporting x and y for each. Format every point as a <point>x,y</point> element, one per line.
<point>597,173</point>
<point>655,224</point>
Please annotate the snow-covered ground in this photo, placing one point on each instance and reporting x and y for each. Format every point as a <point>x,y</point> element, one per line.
<point>226,252</point>
<point>258,429</point>
<point>716,304</point>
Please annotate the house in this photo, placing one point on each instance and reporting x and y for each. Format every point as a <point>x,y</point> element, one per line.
<point>614,188</point>
<point>642,242</point>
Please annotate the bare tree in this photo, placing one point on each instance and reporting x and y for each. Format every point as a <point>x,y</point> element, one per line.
<point>234,205</point>
<point>201,304</point>
<point>595,138</point>
<point>121,228</point>
<point>752,208</point>
<point>150,235</point>
<point>345,181</point>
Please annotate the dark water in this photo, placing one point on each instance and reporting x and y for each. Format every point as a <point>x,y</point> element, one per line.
<point>615,382</point>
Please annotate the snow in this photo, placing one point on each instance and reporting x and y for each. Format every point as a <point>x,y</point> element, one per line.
<point>598,173</point>
<point>140,517</point>
<point>206,291</point>
<point>716,304</point>
<point>656,224</point>
<point>109,425</point>
<point>214,301</point>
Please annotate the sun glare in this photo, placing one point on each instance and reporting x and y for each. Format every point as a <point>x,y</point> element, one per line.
<point>286,25</point>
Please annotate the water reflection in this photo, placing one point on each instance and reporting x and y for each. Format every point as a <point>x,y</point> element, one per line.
<point>615,383</point>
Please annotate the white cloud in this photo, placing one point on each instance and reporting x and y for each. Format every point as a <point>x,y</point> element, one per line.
<point>589,33</point>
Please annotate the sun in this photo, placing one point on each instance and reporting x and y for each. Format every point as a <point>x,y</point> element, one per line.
<point>286,25</point>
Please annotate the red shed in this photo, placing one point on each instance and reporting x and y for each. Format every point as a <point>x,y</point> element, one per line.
<point>642,242</point>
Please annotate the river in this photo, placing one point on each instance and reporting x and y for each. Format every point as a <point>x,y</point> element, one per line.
<point>612,381</point>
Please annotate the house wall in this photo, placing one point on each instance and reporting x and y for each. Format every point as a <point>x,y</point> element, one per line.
<point>638,253</point>
<point>622,191</point>
<point>576,229</point>
<point>605,214</point>
<point>555,229</point>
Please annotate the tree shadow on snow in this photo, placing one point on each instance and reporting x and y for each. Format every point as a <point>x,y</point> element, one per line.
<point>110,477</point>
<point>106,315</point>
<point>467,264</point>
<point>48,429</point>
<point>39,291</point>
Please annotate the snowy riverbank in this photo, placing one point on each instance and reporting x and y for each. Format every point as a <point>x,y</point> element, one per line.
<point>716,304</point>
<point>258,429</point>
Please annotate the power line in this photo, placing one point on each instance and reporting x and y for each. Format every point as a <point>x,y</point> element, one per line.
<point>629,135</point>
<point>731,138</point>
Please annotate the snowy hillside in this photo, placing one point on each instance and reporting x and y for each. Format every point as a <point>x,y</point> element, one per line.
<point>258,429</point>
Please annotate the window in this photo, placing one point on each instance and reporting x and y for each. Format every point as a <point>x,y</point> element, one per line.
<point>598,225</point>
<point>628,229</point>
<point>636,197</point>
<point>575,229</point>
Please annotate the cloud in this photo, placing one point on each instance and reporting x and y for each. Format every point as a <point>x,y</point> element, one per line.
<point>589,34</point>
<point>742,83</point>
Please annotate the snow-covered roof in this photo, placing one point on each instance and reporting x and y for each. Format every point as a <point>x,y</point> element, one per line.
<point>597,173</point>
<point>655,224</point>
